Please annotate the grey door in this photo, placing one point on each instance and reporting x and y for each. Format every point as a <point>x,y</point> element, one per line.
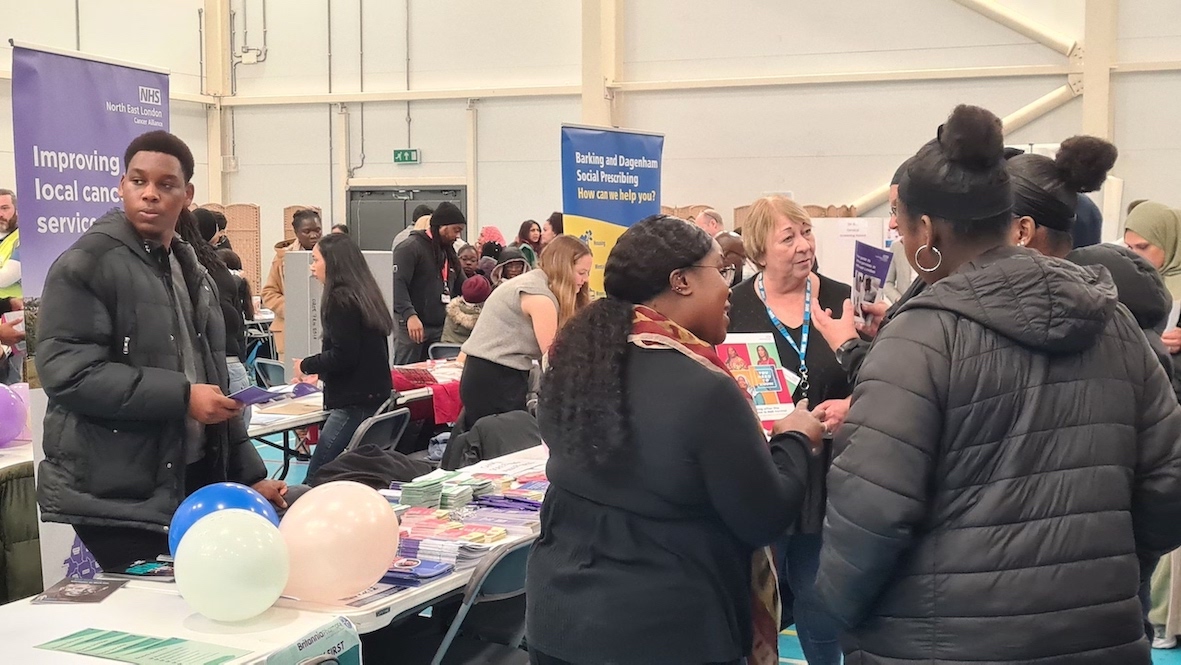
<point>377,215</point>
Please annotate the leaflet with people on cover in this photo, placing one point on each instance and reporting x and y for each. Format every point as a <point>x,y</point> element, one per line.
<point>754,361</point>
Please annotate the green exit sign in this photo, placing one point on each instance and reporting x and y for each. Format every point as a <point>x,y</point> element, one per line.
<point>408,156</point>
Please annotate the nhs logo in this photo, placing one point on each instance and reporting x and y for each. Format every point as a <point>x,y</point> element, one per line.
<point>150,96</point>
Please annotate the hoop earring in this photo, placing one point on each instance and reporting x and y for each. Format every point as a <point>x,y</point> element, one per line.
<point>920,264</point>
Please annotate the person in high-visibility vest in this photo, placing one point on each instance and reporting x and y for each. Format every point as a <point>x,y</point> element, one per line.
<point>10,266</point>
<point>10,286</point>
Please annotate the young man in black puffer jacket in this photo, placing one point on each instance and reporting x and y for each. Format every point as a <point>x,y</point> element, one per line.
<point>132,356</point>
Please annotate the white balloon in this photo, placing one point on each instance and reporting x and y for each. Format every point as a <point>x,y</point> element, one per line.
<point>232,565</point>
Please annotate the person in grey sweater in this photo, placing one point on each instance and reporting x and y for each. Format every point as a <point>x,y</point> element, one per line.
<point>517,326</point>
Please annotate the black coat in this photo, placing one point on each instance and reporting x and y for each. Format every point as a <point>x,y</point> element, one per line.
<point>650,562</point>
<point>230,298</point>
<point>107,357</point>
<point>354,361</point>
<point>827,379</point>
<point>1013,445</point>
<point>491,437</point>
<point>418,281</point>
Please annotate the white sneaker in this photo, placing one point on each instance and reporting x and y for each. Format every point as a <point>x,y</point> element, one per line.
<point>1165,642</point>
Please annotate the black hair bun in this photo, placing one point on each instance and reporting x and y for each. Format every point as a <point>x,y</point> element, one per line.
<point>973,137</point>
<point>1083,162</point>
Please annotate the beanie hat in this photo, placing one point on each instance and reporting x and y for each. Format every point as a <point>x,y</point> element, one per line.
<point>447,214</point>
<point>476,289</point>
<point>492,250</point>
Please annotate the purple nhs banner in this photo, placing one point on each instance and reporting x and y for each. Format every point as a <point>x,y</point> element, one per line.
<point>72,118</point>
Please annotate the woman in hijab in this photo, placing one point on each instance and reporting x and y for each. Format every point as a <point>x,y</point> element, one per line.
<point>1153,230</point>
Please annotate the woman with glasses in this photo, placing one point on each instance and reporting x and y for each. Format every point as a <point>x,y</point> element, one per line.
<point>779,300</point>
<point>663,488</point>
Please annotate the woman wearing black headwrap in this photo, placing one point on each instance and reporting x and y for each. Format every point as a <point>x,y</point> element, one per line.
<point>1009,452</point>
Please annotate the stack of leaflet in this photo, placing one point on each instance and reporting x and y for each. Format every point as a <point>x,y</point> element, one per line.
<point>499,482</point>
<point>425,491</point>
<point>462,555</point>
<point>455,496</point>
<point>425,521</point>
<point>480,486</point>
<point>420,524</point>
<point>414,571</point>
<point>508,502</point>
<point>394,497</point>
<point>532,491</point>
<point>516,522</point>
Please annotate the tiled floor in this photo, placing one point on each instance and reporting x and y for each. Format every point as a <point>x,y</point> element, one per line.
<point>274,461</point>
<point>790,653</point>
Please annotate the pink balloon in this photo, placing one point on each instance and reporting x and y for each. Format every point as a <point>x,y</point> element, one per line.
<point>341,538</point>
<point>13,415</point>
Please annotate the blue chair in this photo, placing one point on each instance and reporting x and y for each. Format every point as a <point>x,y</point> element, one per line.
<point>499,576</point>
<point>443,351</point>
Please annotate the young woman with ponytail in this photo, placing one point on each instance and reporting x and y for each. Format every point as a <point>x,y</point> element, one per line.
<point>1013,449</point>
<point>663,488</point>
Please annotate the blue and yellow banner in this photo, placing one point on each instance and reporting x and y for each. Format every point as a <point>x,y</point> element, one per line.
<point>610,180</point>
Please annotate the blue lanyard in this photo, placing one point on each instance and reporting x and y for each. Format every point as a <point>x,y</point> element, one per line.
<point>801,349</point>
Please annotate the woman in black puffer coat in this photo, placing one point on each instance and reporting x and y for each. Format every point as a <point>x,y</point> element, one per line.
<point>1012,447</point>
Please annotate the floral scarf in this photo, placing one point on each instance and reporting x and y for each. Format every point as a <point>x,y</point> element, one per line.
<point>653,330</point>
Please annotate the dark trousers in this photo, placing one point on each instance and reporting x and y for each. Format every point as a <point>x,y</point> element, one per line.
<point>336,433</point>
<point>1147,568</point>
<point>406,351</point>
<point>798,557</point>
<point>115,548</point>
<point>487,389</point>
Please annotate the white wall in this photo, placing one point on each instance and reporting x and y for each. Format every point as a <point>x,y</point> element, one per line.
<point>453,44</point>
<point>825,143</point>
<point>158,34</point>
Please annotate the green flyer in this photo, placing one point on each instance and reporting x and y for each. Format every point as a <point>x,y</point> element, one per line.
<point>142,649</point>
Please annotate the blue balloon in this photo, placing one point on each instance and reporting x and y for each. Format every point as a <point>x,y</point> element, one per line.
<point>212,498</point>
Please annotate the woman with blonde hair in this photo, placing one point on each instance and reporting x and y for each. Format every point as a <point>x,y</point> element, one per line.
<point>517,326</point>
<point>779,300</point>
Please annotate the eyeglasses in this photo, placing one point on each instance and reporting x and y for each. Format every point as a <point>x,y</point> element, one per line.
<point>726,271</point>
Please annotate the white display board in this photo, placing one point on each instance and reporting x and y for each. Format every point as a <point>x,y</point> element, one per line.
<point>836,239</point>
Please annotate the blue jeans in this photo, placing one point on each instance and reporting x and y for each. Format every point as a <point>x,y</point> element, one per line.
<point>336,433</point>
<point>798,557</point>
<point>239,380</point>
